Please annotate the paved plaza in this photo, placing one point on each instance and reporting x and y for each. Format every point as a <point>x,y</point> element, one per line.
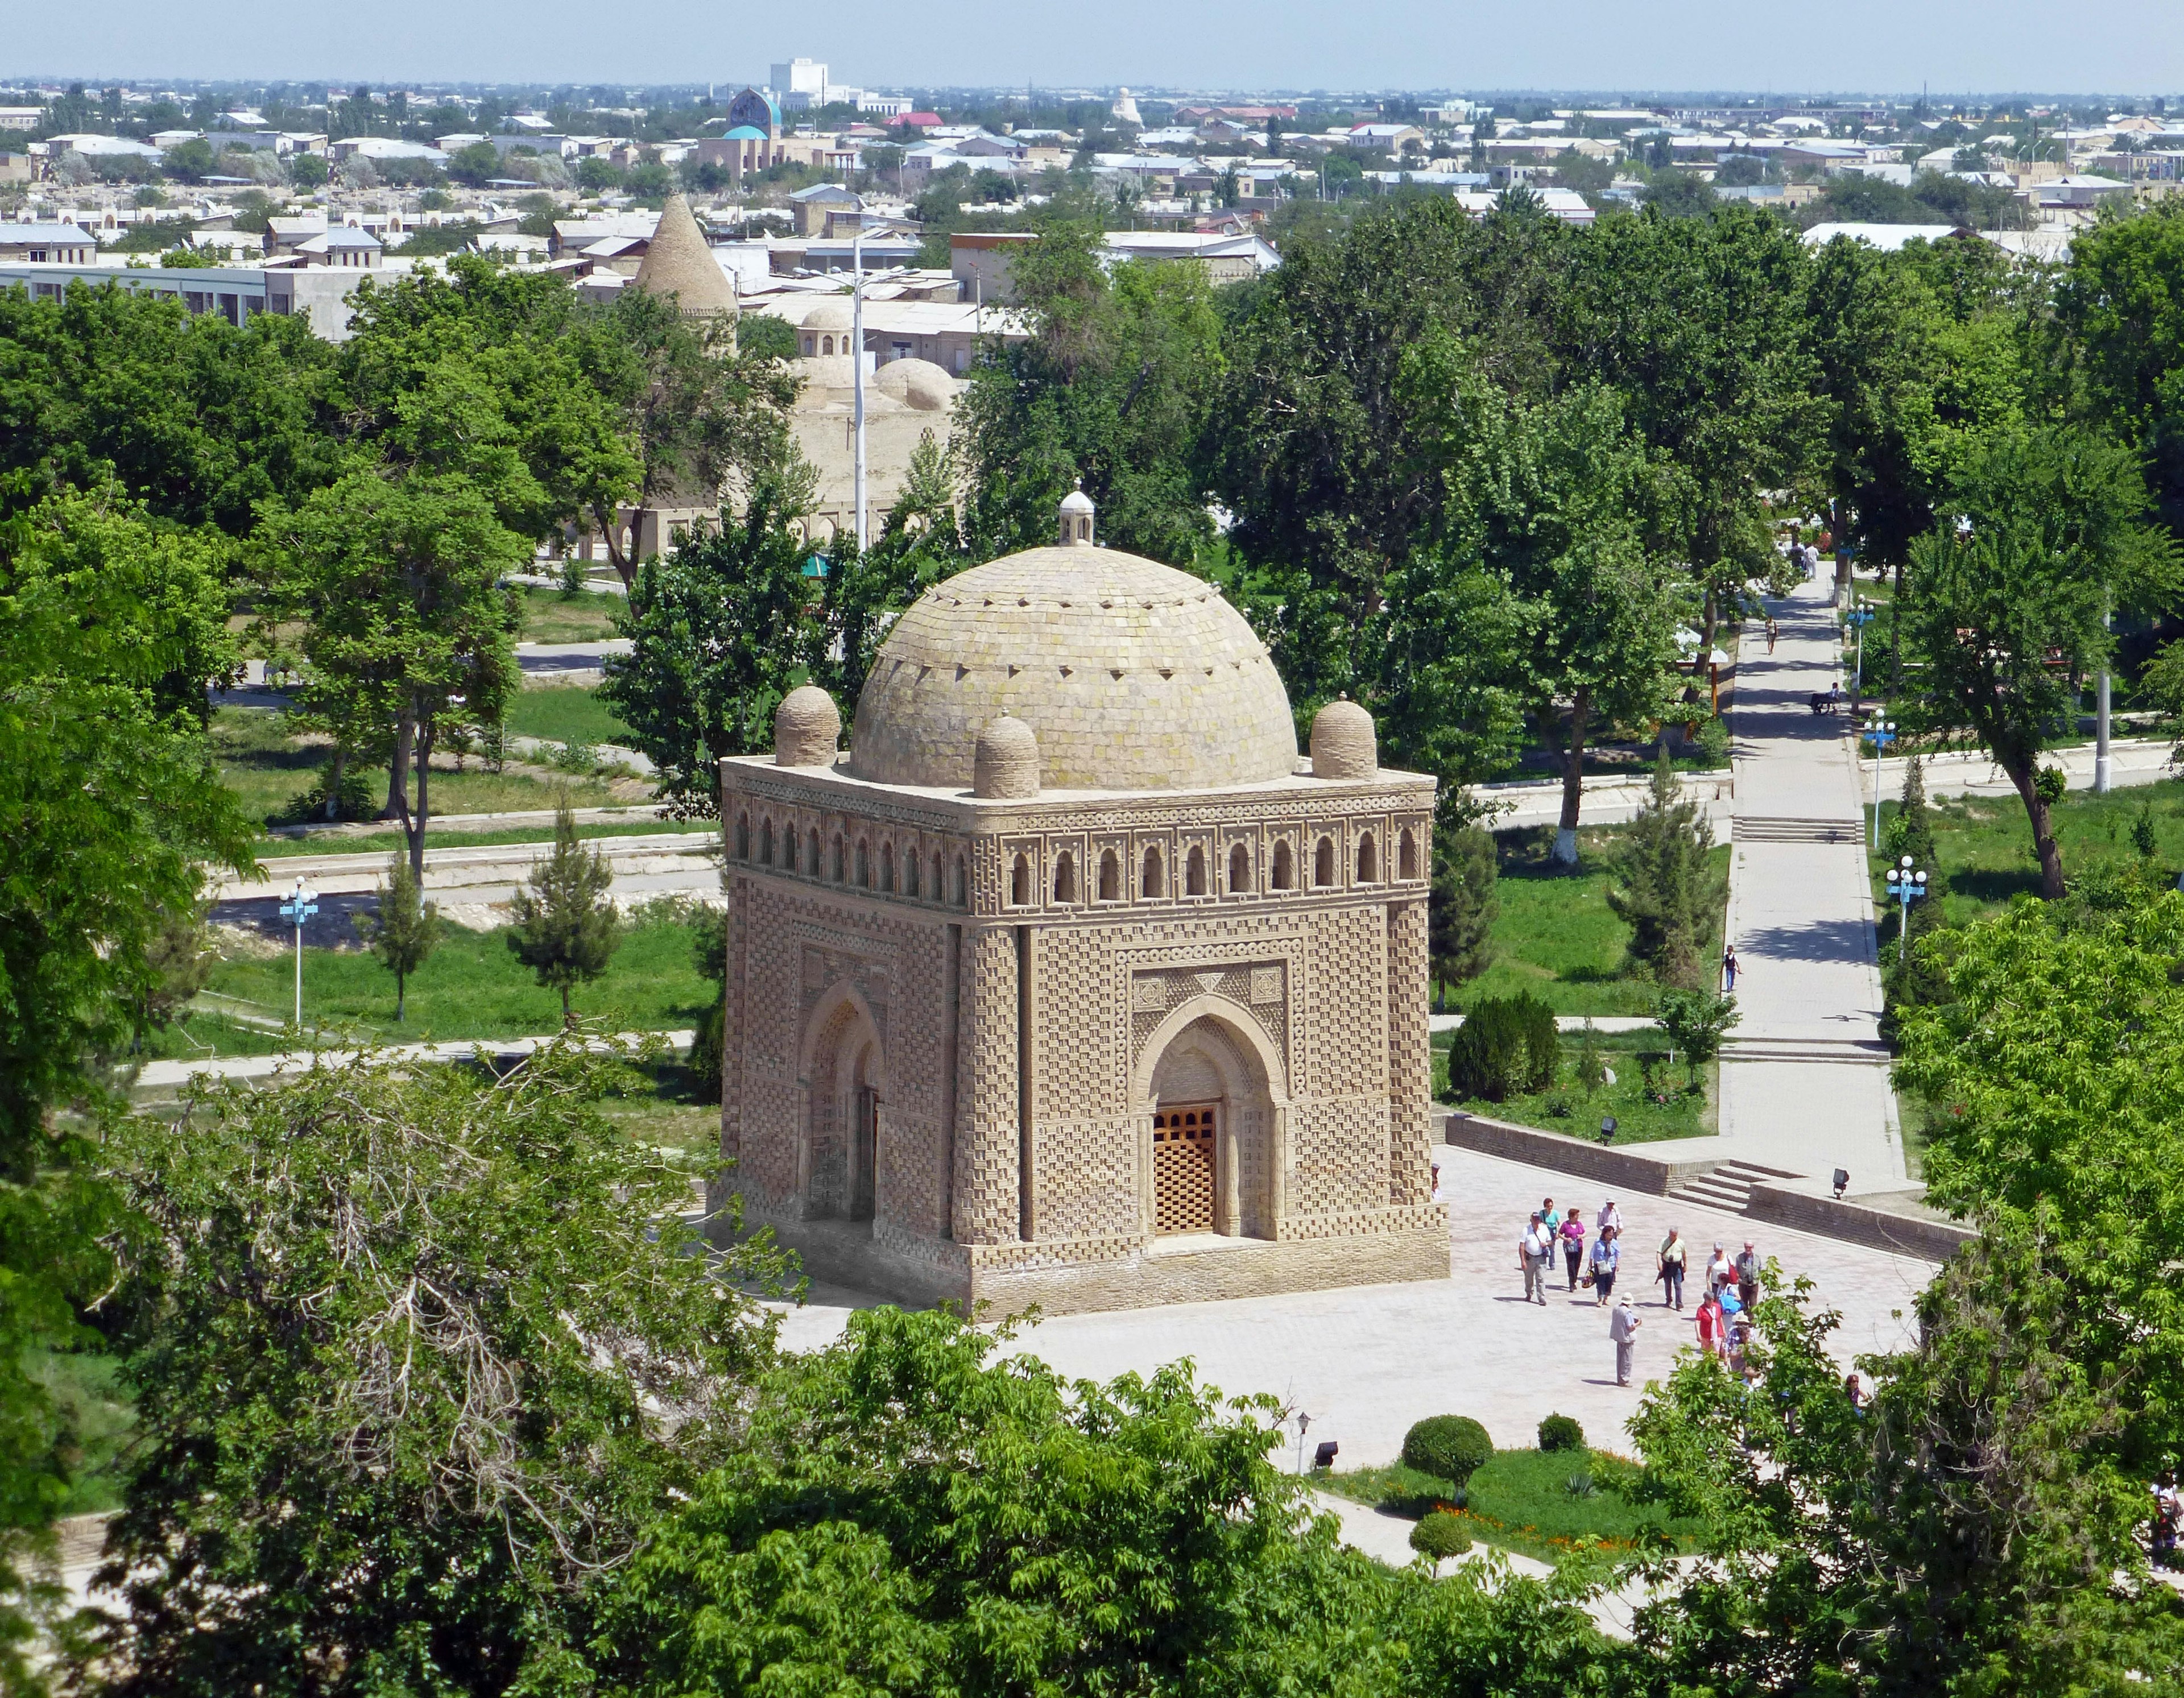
<point>1366,1362</point>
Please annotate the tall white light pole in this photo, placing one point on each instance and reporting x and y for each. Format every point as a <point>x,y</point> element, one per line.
<point>299,907</point>
<point>2104,766</point>
<point>857,354</point>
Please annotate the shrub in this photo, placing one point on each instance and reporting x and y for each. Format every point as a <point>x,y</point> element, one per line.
<point>1581,1486</point>
<point>1561,1433</point>
<point>1440,1534</point>
<point>1505,1045</point>
<point>1450,1447</point>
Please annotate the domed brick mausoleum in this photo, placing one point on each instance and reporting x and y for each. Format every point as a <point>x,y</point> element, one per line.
<point>1070,983</point>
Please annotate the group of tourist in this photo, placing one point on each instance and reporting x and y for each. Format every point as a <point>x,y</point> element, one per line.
<point>1724,1317</point>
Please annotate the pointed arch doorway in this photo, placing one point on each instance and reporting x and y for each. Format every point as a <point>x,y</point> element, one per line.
<point>1210,1103</point>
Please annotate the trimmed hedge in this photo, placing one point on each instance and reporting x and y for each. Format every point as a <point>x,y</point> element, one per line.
<point>1450,1447</point>
<point>1561,1433</point>
<point>1440,1534</point>
<point>1507,1046</point>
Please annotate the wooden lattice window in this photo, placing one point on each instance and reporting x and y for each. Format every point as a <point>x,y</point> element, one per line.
<point>1182,1168</point>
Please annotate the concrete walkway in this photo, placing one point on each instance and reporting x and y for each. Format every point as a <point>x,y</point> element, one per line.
<point>1800,1089</point>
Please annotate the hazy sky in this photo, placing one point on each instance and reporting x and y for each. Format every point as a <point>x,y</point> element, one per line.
<point>2125,47</point>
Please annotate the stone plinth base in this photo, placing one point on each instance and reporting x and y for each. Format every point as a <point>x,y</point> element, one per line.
<point>1072,1275</point>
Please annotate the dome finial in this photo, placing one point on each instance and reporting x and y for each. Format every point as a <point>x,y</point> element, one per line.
<point>1077,518</point>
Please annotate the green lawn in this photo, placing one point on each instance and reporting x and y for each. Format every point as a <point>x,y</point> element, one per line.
<point>636,822</point>
<point>669,1112</point>
<point>268,768</point>
<point>1555,936</point>
<point>1564,1106</point>
<point>88,1392</point>
<point>565,715</point>
<point>1521,1501</point>
<point>549,616</point>
<point>1985,845</point>
<point>473,986</point>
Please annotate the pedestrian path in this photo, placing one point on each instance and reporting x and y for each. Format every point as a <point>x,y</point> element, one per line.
<point>1800,1086</point>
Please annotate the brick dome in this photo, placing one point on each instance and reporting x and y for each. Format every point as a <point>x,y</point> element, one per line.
<point>1131,675</point>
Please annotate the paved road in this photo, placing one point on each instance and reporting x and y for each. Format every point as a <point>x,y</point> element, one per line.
<point>1802,1093</point>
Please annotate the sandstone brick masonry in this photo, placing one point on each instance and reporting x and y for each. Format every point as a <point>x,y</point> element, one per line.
<point>951,1018</point>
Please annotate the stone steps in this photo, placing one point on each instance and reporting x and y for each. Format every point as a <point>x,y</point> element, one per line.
<point>1852,1052</point>
<point>1727,1187</point>
<point>1763,829</point>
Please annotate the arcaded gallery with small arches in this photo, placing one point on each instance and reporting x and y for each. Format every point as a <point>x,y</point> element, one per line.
<point>1070,981</point>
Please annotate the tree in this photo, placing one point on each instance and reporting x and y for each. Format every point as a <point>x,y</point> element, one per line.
<point>1700,323</point>
<point>110,806</point>
<point>566,927</point>
<point>180,959</point>
<point>1111,389</point>
<point>1665,889</point>
<point>2122,301</point>
<point>419,1355</point>
<point>406,929</point>
<point>1463,907</point>
<point>1912,831</point>
<point>719,633</point>
<point>1970,1531</point>
<point>2007,599</point>
<point>1696,1022</point>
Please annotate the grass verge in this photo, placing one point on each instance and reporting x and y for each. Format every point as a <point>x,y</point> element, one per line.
<point>566,713</point>
<point>472,986</point>
<point>638,823</point>
<point>1564,1107</point>
<point>1554,934</point>
<point>1522,1500</point>
<point>549,616</point>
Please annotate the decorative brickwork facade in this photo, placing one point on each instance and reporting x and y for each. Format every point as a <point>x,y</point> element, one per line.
<point>953,1017</point>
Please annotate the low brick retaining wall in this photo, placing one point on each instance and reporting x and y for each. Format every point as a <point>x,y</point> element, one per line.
<point>1853,1222</point>
<point>1650,1176</point>
<point>1640,1175</point>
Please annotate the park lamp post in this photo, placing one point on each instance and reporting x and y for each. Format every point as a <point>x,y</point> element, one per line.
<point>1883,732</point>
<point>299,907</point>
<point>1906,887</point>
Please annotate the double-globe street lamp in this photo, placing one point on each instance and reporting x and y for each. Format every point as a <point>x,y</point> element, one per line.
<point>1882,732</point>
<point>1907,886</point>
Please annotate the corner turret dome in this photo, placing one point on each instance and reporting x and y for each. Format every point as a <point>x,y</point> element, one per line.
<point>1344,745</point>
<point>1005,763</point>
<point>807,728</point>
<point>1130,676</point>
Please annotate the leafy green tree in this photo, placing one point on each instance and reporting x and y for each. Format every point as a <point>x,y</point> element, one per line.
<point>1111,389</point>
<point>1970,1531</point>
<point>419,1355</point>
<point>110,806</point>
<point>719,633</point>
<point>180,959</point>
<point>2007,599</point>
<point>473,165</point>
<point>566,927</point>
<point>2121,300</point>
<point>1696,1022</point>
<point>405,930</point>
<point>915,1512</point>
<point>1665,889</point>
<point>1463,908</point>
<point>1700,323</point>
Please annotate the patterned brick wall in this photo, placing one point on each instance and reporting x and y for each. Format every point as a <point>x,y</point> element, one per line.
<point>1410,1057</point>
<point>987,1196</point>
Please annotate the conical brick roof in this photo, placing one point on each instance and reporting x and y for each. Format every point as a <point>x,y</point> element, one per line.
<point>679,262</point>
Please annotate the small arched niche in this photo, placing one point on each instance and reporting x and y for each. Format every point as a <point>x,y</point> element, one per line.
<point>1407,855</point>
<point>1154,881</point>
<point>1284,866</point>
<point>1065,878</point>
<point>1111,877</point>
<point>1369,860</point>
<point>1322,864</point>
<point>1240,869</point>
<point>1020,882</point>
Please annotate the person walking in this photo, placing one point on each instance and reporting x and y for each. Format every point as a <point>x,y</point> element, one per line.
<point>1607,1257</point>
<point>1533,1250</point>
<point>1719,1271</point>
<point>1747,1276</point>
<point>1609,1215</point>
<point>1711,1326</point>
<point>1772,631</point>
<point>1573,1245</point>
<point>1672,1270</point>
<point>1550,1217</point>
<point>1623,1326</point>
<point>1728,970</point>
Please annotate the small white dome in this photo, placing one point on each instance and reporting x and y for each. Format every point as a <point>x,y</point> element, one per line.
<point>832,314</point>
<point>1077,501</point>
<point>919,384</point>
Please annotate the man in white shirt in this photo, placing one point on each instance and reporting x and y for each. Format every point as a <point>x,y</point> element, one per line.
<point>1533,1250</point>
<point>1610,1215</point>
<point>1623,1325</point>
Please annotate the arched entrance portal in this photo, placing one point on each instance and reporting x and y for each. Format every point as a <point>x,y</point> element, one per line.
<point>846,1081</point>
<point>1211,1106</point>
